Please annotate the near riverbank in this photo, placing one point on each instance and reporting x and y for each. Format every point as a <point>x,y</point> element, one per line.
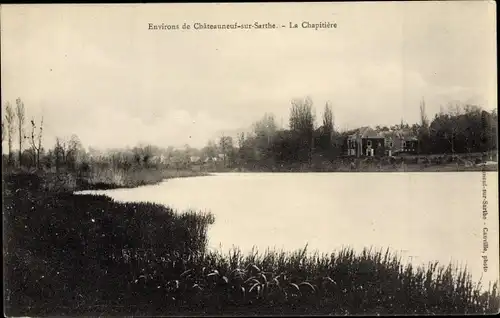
<point>83,254</point>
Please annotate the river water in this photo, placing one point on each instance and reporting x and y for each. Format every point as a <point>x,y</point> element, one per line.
<point>423,216</point>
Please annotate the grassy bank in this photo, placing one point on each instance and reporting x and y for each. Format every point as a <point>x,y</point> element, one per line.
<point>371,167</point>
<point>100,178</point>
<point>68,254</point>
<point>402,163</point>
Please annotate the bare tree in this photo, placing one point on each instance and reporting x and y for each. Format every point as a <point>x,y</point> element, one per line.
<point>210,150</point>
<point>36,140</point>
<point>328,123</point>
<point>74,150</point>
<point>266,126</point>
<point>424,121</point>
<point>263,130</point>
<point>10,121</point>
<point>423,130</point>
<point>241,139</point>
<point>60,150</point>
<point>454,111</point>
<point>21,113</point>
<point>226,146</point>
<point>241,147</point>
<point>302,123</point>
<point>301,115</point>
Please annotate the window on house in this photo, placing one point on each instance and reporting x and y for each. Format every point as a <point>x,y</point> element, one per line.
<point>404,144</point>
<point>369,143</point>
<point>390,144</point>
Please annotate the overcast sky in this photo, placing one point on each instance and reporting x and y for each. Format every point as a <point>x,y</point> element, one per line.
<point>97,71</point>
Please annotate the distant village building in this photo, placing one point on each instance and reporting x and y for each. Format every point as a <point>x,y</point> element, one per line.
<point>161,159</point>
<point>175,160</point>
<point>210,159</point>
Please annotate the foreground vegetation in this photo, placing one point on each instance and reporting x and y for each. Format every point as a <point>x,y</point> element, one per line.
<point>71,254</point>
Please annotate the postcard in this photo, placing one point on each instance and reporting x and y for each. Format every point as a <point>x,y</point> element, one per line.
<point>250,159</point>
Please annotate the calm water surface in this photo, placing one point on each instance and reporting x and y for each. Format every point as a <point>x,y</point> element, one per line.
<point>425,217</point>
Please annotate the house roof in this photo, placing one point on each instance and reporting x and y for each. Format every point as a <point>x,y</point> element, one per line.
<point>402,133</point>
<point>365,132</point>
<point>368,132</point>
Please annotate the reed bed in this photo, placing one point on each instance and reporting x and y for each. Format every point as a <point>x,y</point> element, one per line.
<point>70,254</point>
<point>96,178</point>
<point>109,178</point>
<point>345,282</point>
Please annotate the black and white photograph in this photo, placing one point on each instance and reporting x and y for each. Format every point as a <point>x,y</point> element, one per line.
<point>250,159</point>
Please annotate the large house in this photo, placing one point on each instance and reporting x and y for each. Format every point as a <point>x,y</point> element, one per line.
<point>366,141</point>
<point>401,141</point>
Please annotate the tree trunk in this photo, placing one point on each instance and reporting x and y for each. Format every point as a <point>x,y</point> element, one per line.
<point>452,143</point>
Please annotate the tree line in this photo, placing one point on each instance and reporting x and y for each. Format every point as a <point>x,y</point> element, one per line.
<point>13,126</point>
<point>459,129</point>
<point>29,139</point>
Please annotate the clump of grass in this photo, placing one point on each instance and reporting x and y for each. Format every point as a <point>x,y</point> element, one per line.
<point>342,283</point>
